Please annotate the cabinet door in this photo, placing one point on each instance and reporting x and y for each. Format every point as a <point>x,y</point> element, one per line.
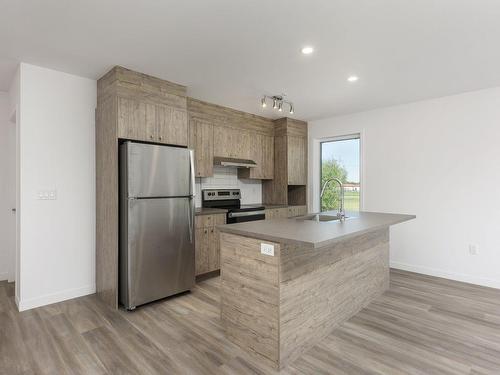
<point>231,143</point>
<point>222,142</point>
<point>297,211</point>
<point>283,213</point>
<point>202,244</point>
<point>131,119</point>
<point>214,250</point>
<point>267,157</point>
<point>297,160</point>
<point>203,147</point>
<point>301,210</point>
<point>171,125</point>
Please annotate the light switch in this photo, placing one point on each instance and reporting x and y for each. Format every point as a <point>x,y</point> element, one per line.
<point>47,195</point>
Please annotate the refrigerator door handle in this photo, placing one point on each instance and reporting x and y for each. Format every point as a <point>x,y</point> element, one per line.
<point>191,211</point>
<point>193,181</point>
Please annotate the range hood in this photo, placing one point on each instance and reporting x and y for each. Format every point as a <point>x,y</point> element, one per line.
<point>232,162</point>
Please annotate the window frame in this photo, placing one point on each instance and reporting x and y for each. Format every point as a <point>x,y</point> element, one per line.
<point>345,137</point>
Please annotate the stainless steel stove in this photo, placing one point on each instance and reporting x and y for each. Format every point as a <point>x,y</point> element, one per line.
<point>230,199</point>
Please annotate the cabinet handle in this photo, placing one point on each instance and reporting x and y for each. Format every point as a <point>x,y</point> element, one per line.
<point>160,138</point>
<point>205,231</point>
<point>151,137</point>
<point>212,230</point>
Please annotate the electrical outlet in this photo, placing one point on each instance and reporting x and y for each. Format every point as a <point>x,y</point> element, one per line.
<point>267,249</point>
<point>473,249</point>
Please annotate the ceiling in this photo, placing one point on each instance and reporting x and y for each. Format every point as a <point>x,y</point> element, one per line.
<point>232,52</point>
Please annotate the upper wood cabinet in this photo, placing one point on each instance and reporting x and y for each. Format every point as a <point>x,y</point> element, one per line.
<point>288,186</point>
<point>171,125</point>
<point>203,144</point>
<point>262,152</point>
<point>158,123</point>
<point>231,142</point>
<point>148,109</point>
<point>297,160</point>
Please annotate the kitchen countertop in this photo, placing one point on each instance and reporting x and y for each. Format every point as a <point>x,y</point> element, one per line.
<point>315,234</point>
<point>209,211</point>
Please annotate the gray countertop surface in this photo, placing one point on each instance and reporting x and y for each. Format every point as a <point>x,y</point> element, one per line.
<point>316,234</point>
<point>209,211</point>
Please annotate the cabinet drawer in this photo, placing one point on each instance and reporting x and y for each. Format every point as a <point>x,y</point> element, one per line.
<point>204,221</point>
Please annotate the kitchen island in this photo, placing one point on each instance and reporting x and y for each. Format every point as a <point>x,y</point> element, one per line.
<point>287,283</point>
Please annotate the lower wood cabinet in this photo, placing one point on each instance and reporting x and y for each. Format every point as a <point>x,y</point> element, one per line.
<point>207,243</point>
<point>297,211</point>
<point>284,212</point>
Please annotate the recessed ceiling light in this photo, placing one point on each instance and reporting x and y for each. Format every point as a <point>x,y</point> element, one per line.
<point>352,78</point>
<point>307,50</point>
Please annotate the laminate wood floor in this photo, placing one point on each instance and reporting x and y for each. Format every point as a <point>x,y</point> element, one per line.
<point>421,325</point>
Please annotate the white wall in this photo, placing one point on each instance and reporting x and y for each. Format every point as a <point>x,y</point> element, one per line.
<point>227,178</point>
<point>57,240</point>
<point>7,189</point>
<point>438,159</point>
<point>14,106</point>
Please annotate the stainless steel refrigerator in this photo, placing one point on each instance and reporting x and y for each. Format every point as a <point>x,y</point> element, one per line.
<point>156,222</point>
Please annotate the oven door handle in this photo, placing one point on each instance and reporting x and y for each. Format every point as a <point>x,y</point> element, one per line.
<point>249,213</point>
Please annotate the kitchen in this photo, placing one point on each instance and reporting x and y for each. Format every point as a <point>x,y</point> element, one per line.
<point>178,213</point>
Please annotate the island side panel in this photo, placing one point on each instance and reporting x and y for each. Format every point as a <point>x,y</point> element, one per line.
<point>250,296</point>
<point>323,287</point>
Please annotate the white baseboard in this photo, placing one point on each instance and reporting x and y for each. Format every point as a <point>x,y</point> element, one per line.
<point>447,275</point>
<point>55,297</point>
<point>4,276</point>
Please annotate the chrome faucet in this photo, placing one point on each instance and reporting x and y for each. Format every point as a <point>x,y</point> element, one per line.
<point>341,212</point>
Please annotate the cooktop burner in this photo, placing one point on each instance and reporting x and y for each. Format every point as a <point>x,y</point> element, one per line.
<point>229,199</point>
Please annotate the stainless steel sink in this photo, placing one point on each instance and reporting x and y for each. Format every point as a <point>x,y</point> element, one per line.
<point>319,217</point>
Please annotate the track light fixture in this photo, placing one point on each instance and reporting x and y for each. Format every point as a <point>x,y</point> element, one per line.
<point>278,101</point>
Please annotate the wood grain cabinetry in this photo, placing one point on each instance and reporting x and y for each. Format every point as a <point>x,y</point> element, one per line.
<point>203,144</point>
<point>147,122</point>
<point>297,211</point>
<point>285,212</point>
<point>262,152</point>
<point>276,213</point>
<point>297,160</point>
<point>232,143</point>
<point>171,126</point>
<point>234,134</point>
<point>290,164</point>
<point>207,246</point>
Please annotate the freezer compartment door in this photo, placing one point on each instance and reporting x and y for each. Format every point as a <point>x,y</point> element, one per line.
<point>160,249</point>
<point>159,171</point>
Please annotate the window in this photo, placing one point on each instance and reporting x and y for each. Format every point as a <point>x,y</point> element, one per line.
<point>340,158</point>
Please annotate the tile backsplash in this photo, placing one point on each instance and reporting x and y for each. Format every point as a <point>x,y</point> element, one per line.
<point>227,178</point>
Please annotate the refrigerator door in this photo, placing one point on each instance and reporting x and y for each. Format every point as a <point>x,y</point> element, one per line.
<point>159,171</point>
<point>159,259</point>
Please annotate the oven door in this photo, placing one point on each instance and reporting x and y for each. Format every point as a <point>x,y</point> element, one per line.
<point>241,217</point>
